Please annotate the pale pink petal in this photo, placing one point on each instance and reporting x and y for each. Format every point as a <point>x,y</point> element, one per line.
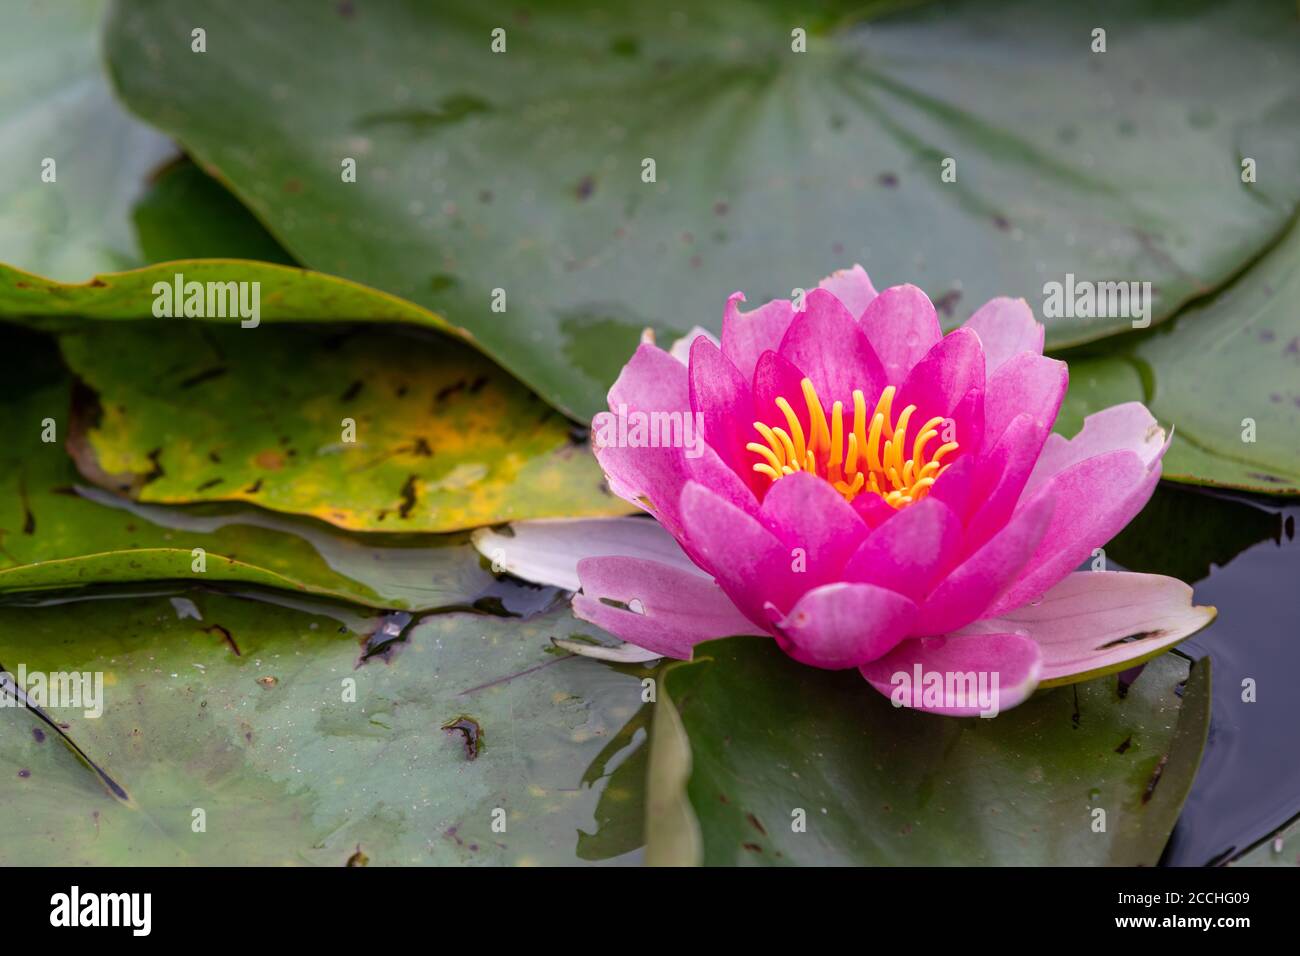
<point>852,287</point>
<point>828,346</point>
<point>1028,383</point>
<point>1127,426</point>
<point>669,610</point>
<point>652,380</point>
<point>1006,328</point>
<point>746,336</point>
<point>902,327</point>
<point>681,348</point>
<point>966,593</point>
<point>548,551</point>
<point>1099,622</point>
<point>906,553</point>
<point>959,664</point>
<point>844,625</point>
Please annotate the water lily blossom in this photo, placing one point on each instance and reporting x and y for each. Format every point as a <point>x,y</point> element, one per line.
<point>871,494</point>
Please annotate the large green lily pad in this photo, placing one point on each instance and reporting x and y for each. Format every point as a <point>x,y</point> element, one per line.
<point>55,104</point>
<point>366,430</point>
<point>744,739</point>
<point>285,767</point>
<point>1226,375</point>
<point>523,170</point>
<point>57,531</point>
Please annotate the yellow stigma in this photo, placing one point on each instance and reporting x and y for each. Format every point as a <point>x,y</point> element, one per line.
<point>873,455</point>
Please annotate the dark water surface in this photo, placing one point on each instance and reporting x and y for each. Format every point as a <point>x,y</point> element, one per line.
<point>1242,555</point>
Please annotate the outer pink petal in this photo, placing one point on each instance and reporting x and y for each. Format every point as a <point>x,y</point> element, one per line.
<point>906,553</point>
<point>721,398</point>
<point>1096,622</point>
<point>844,625</point>
<point>1127,426</point>
<point>966,594</point>
<point>805,512</point>
<point>1006,328</point>
<point>902,327</point>
<point>852,287</point>
<point>1095,499</point>
<point>1015,659</point>
<point>829,347</point>
<point>1028,383</point>
<point>746,336</point>
<point>750,563</point>
<point>673,611</point>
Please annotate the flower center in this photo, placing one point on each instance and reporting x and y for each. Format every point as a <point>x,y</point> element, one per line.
<point>874,456</point>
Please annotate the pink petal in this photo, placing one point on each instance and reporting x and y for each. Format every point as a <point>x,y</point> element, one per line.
<point>1095,499</point>
<point>721,399</point>
<point>829,347</point>
<point>906,553</point>
<point>1015,659</point>
<point>872,509</point>
<point>852,287</point>
<point>747,336</point>
<point>939,382</point>
<point>651,381</point>
<point>1028,383</point>
<point>1001,476</point>
<point>674,609</point>
<point>1098,622</point>
<point>844,625</point>
<point>805,512</point>
<point>956,486</point>
<point>1006,328</point>
<point>1127,426</point>
<point>902,327</point>
<point>966,594</point>
<point>751,564</point>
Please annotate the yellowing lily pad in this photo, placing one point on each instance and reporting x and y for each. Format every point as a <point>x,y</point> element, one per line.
<point>367,430</point>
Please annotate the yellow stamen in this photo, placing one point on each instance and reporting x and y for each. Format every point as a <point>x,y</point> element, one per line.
<point>873,455</point>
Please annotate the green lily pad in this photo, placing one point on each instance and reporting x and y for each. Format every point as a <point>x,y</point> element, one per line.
<point>1226,375</point>
<point>57,531</point>
<point>245,714</point>
<point>748,746</point>
<point>186,214</point>
<point>55,104</point>
<point>366,430</point>
<point>524,171</point>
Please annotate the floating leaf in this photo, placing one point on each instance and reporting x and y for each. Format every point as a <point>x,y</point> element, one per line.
<point>1226,375</point>
<point>56,531</point>
<point>784,764</point>
<point>526,171</point>
<point>250,736</point>
<point>74,160</point>
<point>375,431</point>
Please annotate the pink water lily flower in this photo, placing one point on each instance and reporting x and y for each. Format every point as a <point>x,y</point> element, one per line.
<point>874,494</point>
